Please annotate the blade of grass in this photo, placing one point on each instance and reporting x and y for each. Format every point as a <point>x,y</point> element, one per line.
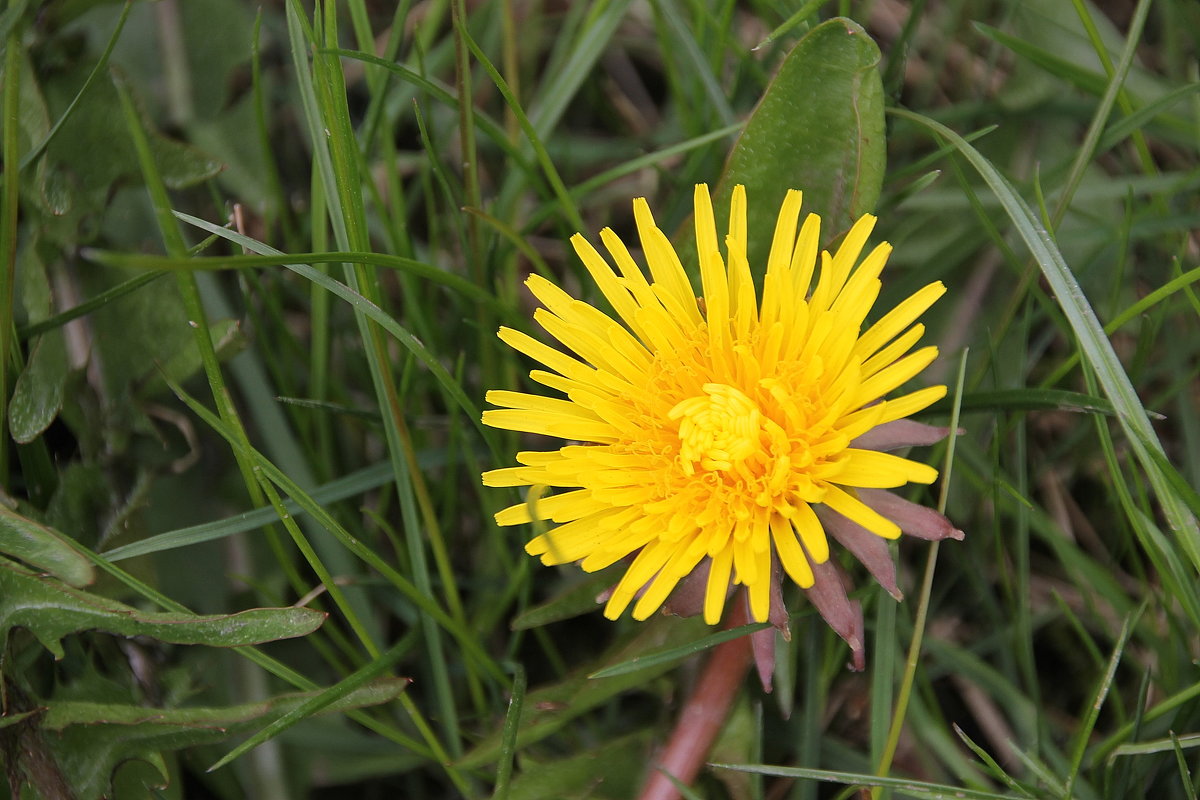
<point>566,202</point>
<point>695,62</point>
<point>508,740</point>
<point>351,485</point>
<point>145,261</point>
<point>1112,90</point>
<point>992,765</point>
<point>9,212</point>
<point>934,791</point>
<point>453,389</point>
<point>313,705</point>
<point>1089,334</point>
<point>914,648</point>
<point>1084,731</point>
<point>488,126</point>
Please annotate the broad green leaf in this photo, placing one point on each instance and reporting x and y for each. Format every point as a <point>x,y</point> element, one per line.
<point>38,396</point>
<point>89,740</point>
<point>43,547</point>
<point>818,128</point>
<point>50,609</point>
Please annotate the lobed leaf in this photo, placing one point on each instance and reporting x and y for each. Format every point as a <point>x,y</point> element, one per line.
<point>51,609</point>
<point>90,740</point>
<point>41,546</point>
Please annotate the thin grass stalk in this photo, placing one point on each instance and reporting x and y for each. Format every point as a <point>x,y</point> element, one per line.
<point>914,648</point>
<point>535,139</point>
<point>1099,351</point>
<point>9,210</point>
<point>1116,74</point>
<point>190,293</point>
<point>415,505</point>
<point>280,213</point>
<point>1088,148</point>
<point>422,600</point>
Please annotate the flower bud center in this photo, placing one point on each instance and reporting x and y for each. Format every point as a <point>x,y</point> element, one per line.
<point>718,429</point>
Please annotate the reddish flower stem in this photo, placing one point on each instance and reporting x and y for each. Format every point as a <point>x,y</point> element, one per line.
<point>703,714</point>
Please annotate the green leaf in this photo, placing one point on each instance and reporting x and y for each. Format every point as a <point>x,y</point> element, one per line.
<point>89,740</point>
<point>818,128</point>
<point>43,547</point>
<point>50,609</point>
<point>38,396</point>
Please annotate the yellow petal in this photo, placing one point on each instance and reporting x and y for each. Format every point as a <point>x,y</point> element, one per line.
<point>856,511</point>
<point>718,585</point>
<point>874,470</point>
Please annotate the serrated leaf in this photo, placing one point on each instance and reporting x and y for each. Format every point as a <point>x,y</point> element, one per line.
<point>38,395</point>
<point>51,609</point>
<point>89,740</point>
<point>818,128</point>
<point>43,547</point>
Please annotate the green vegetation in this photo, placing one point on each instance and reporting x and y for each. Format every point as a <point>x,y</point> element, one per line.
<point>254,262</point>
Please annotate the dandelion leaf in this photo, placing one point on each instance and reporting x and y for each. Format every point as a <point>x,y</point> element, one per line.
<point>43,547</point>
<point>81,744</point>
<point>50,609</point>
<point>818,128</point>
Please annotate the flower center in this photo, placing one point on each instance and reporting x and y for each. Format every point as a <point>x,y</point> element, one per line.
<point>719,429</point>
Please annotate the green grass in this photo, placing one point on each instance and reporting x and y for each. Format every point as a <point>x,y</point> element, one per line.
<point>222,417</point>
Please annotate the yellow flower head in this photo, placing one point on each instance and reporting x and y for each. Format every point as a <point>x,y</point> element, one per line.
<point>709,434</point>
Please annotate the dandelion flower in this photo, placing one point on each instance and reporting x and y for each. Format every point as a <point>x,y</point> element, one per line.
<point>721,441</point>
